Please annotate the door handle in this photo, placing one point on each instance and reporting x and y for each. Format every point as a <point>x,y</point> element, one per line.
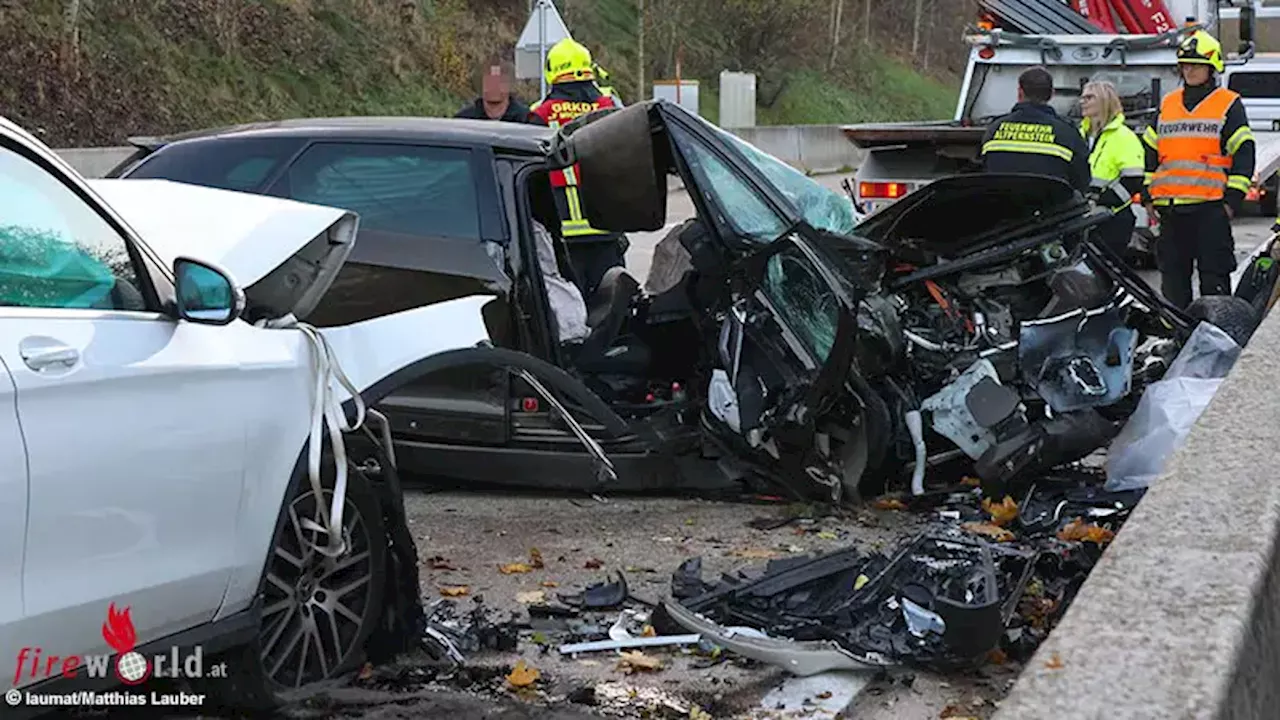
<point>43,353</point>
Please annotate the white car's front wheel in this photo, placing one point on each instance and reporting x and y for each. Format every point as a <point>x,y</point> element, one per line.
<point>317,611</point>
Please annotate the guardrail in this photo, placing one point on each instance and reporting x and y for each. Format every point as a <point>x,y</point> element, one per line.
<point>95,162</point>
<point>811,148</point>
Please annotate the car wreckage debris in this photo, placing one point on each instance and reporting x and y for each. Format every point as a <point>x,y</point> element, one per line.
<point>945,599</point>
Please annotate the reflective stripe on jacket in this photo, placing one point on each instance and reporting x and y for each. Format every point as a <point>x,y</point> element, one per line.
<point>1116,161</point>
<point>1033,139</point>
<point>1192,167</point>
<point>556,111</point>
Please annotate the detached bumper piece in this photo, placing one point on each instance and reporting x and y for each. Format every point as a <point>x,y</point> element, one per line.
<point>942,601</point>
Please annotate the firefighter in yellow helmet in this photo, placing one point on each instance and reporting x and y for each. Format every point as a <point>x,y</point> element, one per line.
<point>1199,161</point>
<point>573,92</point>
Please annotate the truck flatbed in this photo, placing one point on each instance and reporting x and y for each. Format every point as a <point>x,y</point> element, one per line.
<point>876,135</point>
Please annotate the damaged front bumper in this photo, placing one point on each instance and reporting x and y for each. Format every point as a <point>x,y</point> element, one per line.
<point>800,658</point>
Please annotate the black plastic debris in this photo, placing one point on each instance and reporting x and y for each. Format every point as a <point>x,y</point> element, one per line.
<point>686,582</point>
<point>944,600</point>
<point>601,596</point>
<point>473,630</point>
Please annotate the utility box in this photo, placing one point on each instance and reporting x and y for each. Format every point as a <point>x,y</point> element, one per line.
<point>544,29</point>
<point>737,99</point>
<point>685,94</point>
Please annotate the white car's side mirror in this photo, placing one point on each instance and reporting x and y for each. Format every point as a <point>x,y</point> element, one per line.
<point>206,294</point>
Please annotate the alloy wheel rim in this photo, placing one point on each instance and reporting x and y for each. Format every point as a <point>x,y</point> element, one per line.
<point>315,607</point>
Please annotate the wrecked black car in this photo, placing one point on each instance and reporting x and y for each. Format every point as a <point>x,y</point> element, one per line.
<point>781,341</point>
<point>975,320</point>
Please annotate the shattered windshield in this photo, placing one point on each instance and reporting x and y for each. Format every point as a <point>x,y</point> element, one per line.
<point>822,209</point>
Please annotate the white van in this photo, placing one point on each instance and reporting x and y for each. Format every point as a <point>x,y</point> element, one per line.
<point>1258,82</point>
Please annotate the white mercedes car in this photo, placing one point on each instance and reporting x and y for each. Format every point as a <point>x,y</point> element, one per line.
<point>162,411</point>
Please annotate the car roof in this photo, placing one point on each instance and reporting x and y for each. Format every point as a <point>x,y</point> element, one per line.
<point>514,137</point>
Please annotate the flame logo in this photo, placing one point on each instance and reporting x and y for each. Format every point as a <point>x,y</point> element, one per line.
<point>118,630</point>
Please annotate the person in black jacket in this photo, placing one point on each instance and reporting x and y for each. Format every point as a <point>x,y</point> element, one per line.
<point>1034,139</point>
<point>496,101</point>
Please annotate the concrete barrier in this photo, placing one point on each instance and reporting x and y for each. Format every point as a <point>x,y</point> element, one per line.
<point>95,162</point>
<point>1180,618</point>
<point>812,148</point>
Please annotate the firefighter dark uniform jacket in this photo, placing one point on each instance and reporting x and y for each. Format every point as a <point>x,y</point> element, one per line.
<point>1034,139</point>
<point>1201,150</point>
<point>1117,163</point>
<point>563,103</point>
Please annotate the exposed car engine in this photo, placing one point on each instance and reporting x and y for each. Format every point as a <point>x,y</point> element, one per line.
<point>1012,368</point>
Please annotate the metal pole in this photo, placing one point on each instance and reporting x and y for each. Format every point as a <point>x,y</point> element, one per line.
<point>542,47</point>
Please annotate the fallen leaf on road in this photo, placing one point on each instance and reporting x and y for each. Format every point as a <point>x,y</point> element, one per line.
<point>514,568</point>
<point>535,558</point>
<point>649,631</point>
<point>890,504</point>
<point>637,661</point>
<point>995,532</point>
<point>455,590</point>
<point>1078,531</point>
<point>828,535</point>
<point>550,584</point>
<point>593,564</point>
<point>532,597</point>
<point>824,695</point>
<point>1001,512</point>
<point>697,713</point>
<point>522,675</point>
<point>997,657</point>
<point>955,712</point>
<point>1054,663</point>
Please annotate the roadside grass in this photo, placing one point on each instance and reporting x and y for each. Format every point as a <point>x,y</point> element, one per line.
<point>145,68</point>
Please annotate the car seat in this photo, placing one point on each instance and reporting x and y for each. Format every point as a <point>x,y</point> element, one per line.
<point>609,349</point>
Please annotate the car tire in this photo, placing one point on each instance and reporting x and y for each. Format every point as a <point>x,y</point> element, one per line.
<point>299,593</point>
<point>1233,315</point>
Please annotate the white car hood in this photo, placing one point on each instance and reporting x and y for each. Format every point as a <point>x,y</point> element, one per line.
<point>284,253</point>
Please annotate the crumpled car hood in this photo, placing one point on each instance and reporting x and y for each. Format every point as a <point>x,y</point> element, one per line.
<point>284,253</point>
<point>956,213</point>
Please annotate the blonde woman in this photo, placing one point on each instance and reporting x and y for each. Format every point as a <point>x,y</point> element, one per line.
<point>1116,160</point>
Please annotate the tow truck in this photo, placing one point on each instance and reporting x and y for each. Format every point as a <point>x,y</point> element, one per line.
<point>902,157</point>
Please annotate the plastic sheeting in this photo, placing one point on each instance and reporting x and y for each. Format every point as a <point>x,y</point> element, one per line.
<point>1169,409</point>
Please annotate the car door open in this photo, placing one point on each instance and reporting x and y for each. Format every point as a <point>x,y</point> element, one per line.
<point>788,333</point>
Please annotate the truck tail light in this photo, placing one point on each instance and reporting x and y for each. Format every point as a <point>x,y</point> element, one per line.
<point>987,53</point>
<point>882,190</point>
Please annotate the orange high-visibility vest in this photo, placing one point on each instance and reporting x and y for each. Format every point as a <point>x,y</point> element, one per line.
<point>1192,165</point>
